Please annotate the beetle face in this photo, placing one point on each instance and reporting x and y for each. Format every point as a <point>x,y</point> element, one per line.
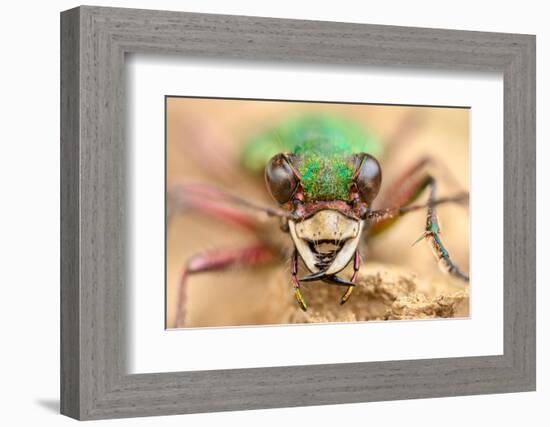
<point>329,197</point>
<point>327,240</point>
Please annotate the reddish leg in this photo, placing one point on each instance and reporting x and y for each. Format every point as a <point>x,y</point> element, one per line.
<point>406,188</point>
<point>217,261</point>
<point>296,281</point>
<point>218,204</point>
<point>405,191</point>
<point>381,219</point>
<point>356,265</point>
<point>179,201</point>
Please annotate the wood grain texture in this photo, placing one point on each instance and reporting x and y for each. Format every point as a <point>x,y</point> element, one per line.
<point>94,269</point>
<point>70,291</point>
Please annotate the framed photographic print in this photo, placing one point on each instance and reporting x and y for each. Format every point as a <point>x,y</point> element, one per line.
<point>261,213</point>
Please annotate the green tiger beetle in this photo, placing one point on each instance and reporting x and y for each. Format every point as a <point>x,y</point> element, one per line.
<point>323,173</point>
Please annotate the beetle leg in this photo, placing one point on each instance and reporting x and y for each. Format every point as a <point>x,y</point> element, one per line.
<point>380,219</point>
<point>229,214</point>
<point>406,188</point>
<point>216,261</point>
<point>296,281</point>
<point>218,203</point>
<point>356,265</point>
<point>432,236</point>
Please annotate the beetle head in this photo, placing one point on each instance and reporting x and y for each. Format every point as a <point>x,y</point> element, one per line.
<point>328,220</point>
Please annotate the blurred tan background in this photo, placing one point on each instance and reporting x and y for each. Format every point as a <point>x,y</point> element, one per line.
<point>204,138</point>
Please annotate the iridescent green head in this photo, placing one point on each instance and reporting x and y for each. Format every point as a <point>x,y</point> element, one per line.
<point>325,167</point>
<point>323,152</point>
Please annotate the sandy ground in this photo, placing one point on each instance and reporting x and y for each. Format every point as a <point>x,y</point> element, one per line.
<point>397,280</point>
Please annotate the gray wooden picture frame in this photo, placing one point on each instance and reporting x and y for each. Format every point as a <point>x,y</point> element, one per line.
<point>94,41</point>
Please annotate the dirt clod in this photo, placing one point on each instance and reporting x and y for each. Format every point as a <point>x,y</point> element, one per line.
<point>382,292</point>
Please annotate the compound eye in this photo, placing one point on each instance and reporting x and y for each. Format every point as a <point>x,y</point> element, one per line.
<point>368,177</point>
<point>280,179</point>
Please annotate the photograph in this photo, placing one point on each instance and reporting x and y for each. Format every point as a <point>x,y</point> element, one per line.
<point>293,212</point>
